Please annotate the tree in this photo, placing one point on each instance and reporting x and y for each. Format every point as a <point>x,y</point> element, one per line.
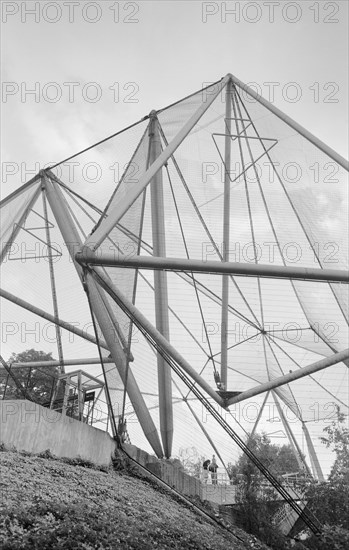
<point>337,439</point>
<point>36,383</point>
<point>256,497</point>
<point>279,460</point>
<point>329,500</point>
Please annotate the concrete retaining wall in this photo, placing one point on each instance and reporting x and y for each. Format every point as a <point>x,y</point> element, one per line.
<point>220,494</point>
<point>167,471</point>
<point>177,478</point>
<point>30,427</point>
<point>139,455</point>
<point>185,484</point>
<point>33,428</point>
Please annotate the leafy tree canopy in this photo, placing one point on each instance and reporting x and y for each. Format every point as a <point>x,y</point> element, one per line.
<point>337,439</point>
<point>257,500</point>
<point>30,355</point>
<point>278,459</point>
<point>36,383</point>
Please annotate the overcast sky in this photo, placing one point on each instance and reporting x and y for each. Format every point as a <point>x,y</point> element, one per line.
<point>97,67</point>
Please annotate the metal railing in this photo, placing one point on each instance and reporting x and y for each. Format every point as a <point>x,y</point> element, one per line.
<point>44,387</point>
<point>222,478</point>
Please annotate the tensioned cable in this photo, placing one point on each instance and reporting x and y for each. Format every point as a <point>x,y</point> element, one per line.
<point>98,143</point>
<point>313,524</point>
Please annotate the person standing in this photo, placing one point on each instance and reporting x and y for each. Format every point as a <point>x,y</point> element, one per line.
<point>213,469</point>
<point>205,470</point>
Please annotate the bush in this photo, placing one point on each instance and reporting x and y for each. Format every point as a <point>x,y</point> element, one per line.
<point>51,526</point>
<point>329,502</point>
<point>332,538</point>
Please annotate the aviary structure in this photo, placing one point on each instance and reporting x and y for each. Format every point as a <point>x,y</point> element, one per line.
<point>205,267</point>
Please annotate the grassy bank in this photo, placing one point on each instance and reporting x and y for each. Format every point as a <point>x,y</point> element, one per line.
<point>51,504</point>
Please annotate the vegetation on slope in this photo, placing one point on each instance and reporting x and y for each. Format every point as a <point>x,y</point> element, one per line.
<point>53,504</point>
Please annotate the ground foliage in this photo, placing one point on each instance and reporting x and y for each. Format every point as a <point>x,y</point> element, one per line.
<point>50,504</point>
